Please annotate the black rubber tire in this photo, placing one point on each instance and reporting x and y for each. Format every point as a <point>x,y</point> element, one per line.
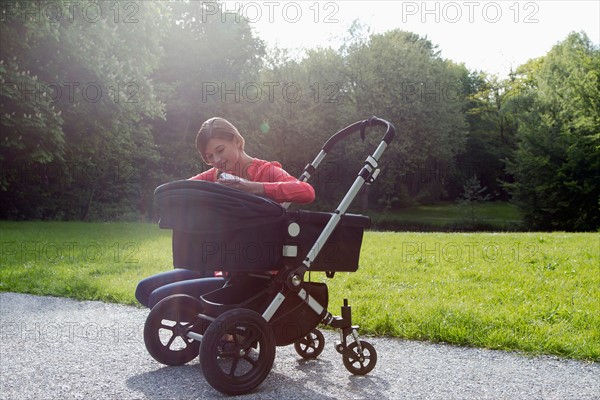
<point>311,345</point>
<point>166,326</point>
<point>360,364</point>
<point>237,351</point>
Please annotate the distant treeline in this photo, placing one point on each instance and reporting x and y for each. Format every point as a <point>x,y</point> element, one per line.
<point>97,112</point>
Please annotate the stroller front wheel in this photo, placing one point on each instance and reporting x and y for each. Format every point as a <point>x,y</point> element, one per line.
<point>237,351</point>
<point>360,362</point>
<point>311,345</point>
<point>166,328</point>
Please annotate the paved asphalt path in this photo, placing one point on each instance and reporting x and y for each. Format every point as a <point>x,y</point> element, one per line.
<point>53,348</point>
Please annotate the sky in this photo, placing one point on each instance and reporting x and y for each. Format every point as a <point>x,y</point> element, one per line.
<point>492,36</point>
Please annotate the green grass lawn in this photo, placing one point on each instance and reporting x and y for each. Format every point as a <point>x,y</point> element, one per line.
<point>87,261</point>
<point>532,292</point>
<point>535,292</point>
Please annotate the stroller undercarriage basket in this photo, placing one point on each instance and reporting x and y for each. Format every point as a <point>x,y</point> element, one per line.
<point>292,321</point>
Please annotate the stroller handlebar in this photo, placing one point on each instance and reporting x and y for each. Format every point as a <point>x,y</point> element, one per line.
<point>361,126</point>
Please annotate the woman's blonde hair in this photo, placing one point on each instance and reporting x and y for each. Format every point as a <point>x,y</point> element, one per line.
<point>217,128</point>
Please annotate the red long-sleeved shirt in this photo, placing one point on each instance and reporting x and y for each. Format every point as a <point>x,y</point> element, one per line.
<point>278,184</point>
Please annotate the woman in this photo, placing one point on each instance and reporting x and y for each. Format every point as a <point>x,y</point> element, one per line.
<point>223,148</point>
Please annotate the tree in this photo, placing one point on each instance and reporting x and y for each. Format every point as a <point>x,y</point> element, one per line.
<point>401,76</point>
<point>490,111</point>
<point>309,105</point>
<point>210,55</point>
<point>557,163</point>
<point>77,107</point>
<point>473,194</point>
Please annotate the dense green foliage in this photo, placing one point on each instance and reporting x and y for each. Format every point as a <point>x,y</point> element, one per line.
<point>101,104</point>
<point>557,162</point>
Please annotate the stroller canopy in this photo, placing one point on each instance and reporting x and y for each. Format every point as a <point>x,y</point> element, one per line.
<point>217,228</point>
<point>210,208</point>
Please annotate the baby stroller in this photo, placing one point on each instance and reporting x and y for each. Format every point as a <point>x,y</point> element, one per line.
<point>235,329</point>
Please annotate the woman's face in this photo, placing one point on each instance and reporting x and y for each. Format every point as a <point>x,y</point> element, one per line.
<point>223,154</point>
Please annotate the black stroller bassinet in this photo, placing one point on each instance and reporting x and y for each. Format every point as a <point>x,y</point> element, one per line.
<point>219,228</point>
<point>266,250</point>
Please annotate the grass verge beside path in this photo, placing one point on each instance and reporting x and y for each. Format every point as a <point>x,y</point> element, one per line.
<point>85,261</point>
<point>532,292</point>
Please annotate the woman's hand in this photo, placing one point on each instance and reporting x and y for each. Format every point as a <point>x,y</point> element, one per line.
<point>244,185</point>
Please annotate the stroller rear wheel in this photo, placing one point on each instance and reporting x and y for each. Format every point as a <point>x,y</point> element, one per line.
<point>237,351</point>
<point>166,328</point>
<point>360,362</point>
<point>311,345</point>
